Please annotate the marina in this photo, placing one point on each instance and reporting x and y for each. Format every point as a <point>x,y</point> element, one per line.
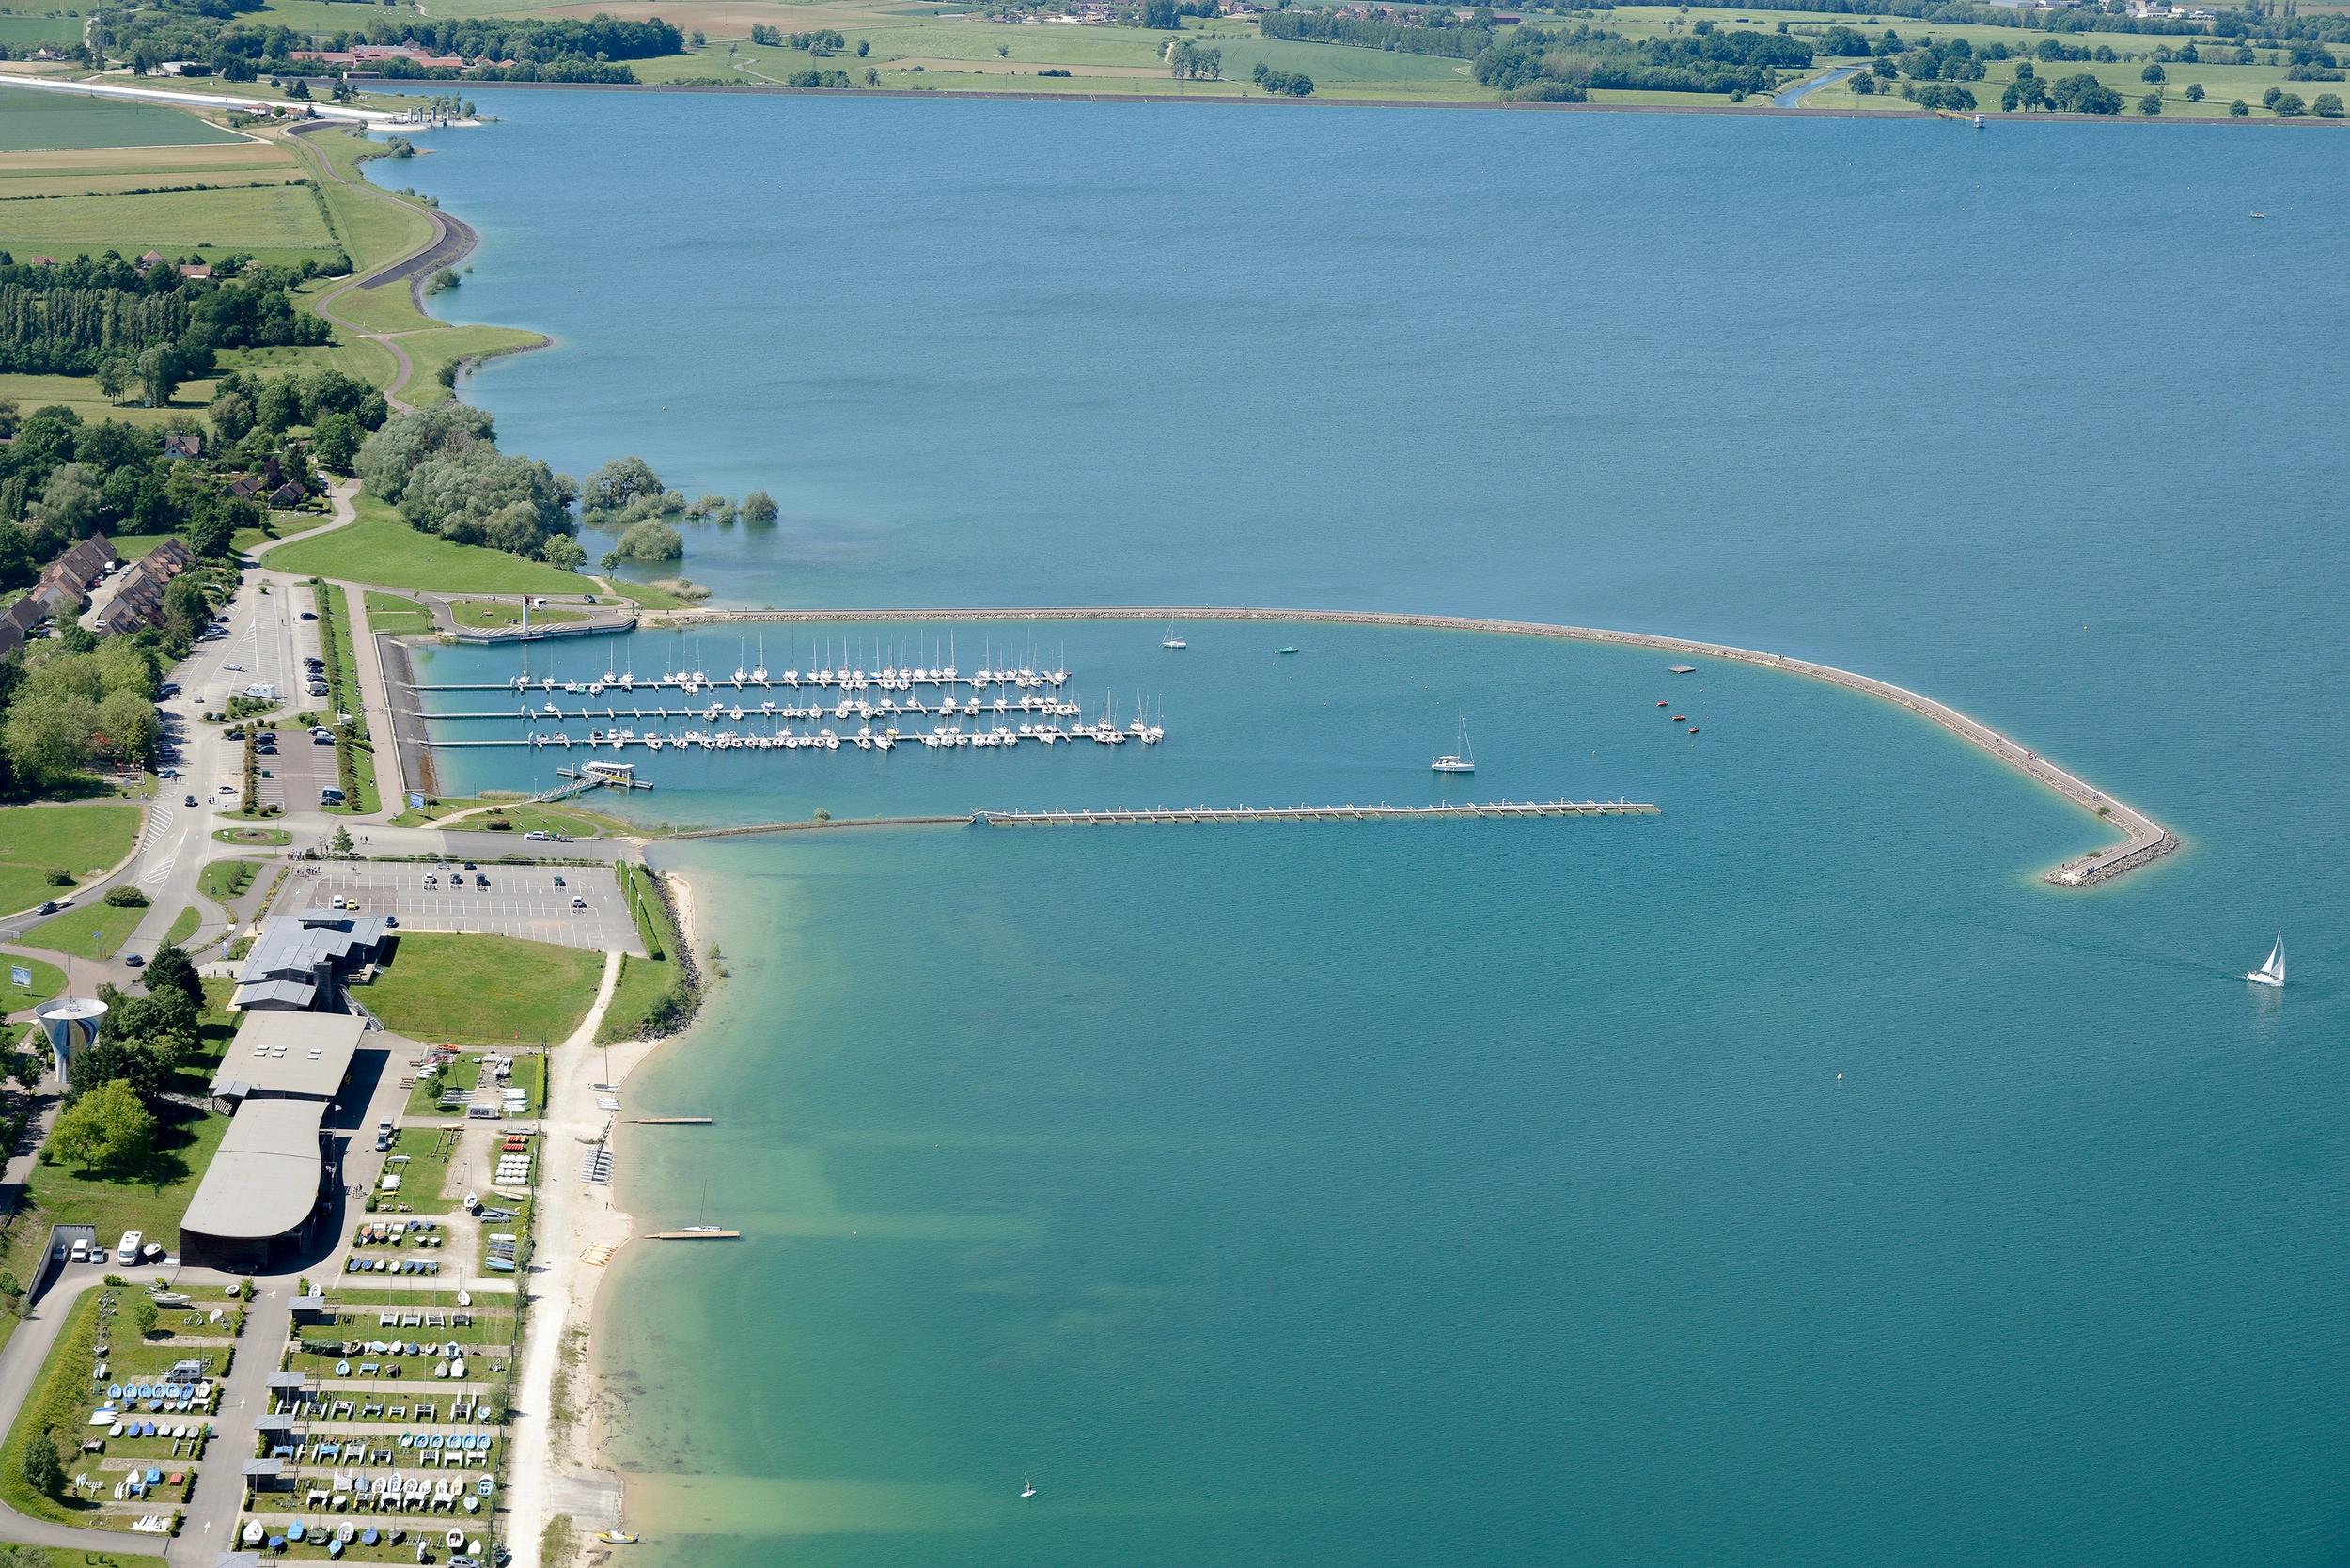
<point>2143,839</point>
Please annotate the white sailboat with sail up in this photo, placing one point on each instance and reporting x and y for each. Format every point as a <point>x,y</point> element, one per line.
<point>1171,640</point>
<point>1462,761</point>
<point>2272,969</point>
<point>1028,1487</point>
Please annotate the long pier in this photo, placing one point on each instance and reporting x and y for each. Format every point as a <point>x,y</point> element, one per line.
<point>1185,814</point>
<point>2143,839</point>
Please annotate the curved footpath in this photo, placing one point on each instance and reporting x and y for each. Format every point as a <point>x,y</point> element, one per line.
<point>2143,838</point>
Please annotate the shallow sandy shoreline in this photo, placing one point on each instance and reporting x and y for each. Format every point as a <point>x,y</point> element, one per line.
<point>562,1474</point>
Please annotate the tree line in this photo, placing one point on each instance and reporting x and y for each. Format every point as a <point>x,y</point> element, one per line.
<point>1538,63</point>
<point>69,321</point>
<point>1439,35</point>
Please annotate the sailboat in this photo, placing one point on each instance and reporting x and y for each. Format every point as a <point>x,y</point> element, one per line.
<point>1462,761</point>
<point>1028,1487</point>
<point>701,1226</point>
<point>1172,640</point>
<point>2272,969</point>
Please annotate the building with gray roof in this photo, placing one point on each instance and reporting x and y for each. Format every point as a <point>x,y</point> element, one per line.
<point>301,962</point>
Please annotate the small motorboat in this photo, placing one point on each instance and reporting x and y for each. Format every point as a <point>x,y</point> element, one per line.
<point>1664,704</point>
<point>1289,648</point>
<point>1680,718</point>
<point>616,1538</point>
<point>1693,730</point>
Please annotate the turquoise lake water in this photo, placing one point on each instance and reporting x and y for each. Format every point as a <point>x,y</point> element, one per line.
<point>1484,1193</point>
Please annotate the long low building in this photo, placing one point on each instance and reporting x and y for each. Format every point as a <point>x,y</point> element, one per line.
<point>260,1195</point>
<point>261,1190</point>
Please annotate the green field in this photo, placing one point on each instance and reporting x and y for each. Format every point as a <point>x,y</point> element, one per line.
<point>149,1199</point>
<point>82,839</point>
<point>276,222</point>
<point>491,614</point>
<point>383,550</point>
<point>224,880</point>
<point>448,989</point>
<point>38,120</point>
<point>32,31</point>
<point>94,930</point>
<point>398,616</point>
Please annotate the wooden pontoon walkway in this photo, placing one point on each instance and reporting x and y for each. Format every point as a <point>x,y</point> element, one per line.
<point>2143,839</point>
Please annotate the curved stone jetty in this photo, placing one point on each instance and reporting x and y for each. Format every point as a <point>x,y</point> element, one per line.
<point>2143,839</point>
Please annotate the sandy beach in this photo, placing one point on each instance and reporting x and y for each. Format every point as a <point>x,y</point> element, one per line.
<point>556,1473</point>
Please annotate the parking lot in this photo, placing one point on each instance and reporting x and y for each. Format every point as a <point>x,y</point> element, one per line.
<point>521,900</point>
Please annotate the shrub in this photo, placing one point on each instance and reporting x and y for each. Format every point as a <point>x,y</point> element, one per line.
<point>126,897</point>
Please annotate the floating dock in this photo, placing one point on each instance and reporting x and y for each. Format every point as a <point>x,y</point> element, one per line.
<point>1181,814</point>
<point>694,1235</point>
<point>669,1121</point>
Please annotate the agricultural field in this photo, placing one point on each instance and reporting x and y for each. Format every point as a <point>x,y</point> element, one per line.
<point>274,221</point>
<point>30,29</point>
<point>41,121</point>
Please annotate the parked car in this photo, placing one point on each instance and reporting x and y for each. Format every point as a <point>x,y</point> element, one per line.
<point>482,879</point>
<point>579,902</point>
<point>80,1253</point>
<point>309,614</point>
<point>431,879</point>
<point>391,923</point>
<point>469,865</point>
<point>558,879</point>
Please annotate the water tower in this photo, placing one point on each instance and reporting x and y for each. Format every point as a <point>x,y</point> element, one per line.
<point>71,1025</point>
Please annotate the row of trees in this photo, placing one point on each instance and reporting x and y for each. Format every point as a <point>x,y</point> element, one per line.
<point>1440,32</point>
<point>65,321</point>
<point>1534,59</point>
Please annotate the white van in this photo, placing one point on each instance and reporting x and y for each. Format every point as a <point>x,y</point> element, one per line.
<point>128,1251</point>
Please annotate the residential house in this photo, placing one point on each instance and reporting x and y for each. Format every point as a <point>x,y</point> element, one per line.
<point>179,445</point>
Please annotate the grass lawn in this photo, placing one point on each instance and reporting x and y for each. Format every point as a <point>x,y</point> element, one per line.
<point>424,1172</point>
<point>184,925</point>
<point>491,614</point>
<point>44,122</point>
<point>382,550</point>
<point>94,930</point>
<point>227,879</point>
<point>546,818</point>
<point>456,989</point>
<point>398,616</point>
<point>271,838</point>
<point>646,984</point>
<point>150,1198</point>
<point>47,981</point>
<point>82,839</point>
